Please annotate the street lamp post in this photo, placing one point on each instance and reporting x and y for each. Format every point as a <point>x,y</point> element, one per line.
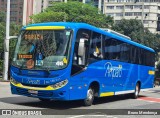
<point>6,44</point>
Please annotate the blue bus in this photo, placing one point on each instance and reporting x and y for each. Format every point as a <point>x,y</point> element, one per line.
<point>77,61</point>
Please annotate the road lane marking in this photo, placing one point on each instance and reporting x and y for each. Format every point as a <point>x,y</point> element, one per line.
<point>149,99</point>
<point>76,116</point>
<point>152,91</point>
<point>93,116</point>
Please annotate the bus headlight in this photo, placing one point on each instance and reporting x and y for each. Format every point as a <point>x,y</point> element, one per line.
<point>13,81</point>
<point>60,84</point>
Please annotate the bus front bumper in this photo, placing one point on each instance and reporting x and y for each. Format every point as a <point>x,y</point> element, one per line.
<point>37,92</point>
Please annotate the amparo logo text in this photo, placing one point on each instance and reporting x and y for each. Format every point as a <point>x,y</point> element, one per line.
<point>113,71</point>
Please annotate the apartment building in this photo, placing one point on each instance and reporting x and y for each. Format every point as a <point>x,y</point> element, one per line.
<point>16,13</point>
<point>148,11</point>
<point>36,6</point>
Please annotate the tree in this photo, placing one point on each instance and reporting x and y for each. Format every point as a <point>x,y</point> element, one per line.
<point>73,12</point>
<point>2,17</point>
<point>132,28</point>
<point>14,29</point>
<point>135,29</point>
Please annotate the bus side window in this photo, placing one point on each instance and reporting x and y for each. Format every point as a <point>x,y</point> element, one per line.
<point>106,47</point>
<point>125,50</point>
<point>112,49</point>
<point>95,52</point>
<point>150,58</point>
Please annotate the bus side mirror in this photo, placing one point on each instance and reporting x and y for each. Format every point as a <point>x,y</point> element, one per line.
<point>6,43</point>
<point>82,51</point>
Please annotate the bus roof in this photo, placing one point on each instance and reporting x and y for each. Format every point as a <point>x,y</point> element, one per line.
<point>72,25</point>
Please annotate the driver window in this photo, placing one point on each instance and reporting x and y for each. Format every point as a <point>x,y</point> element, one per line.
<point>76,64</point>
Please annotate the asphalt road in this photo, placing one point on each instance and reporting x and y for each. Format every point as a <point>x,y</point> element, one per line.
<point>108,107</point>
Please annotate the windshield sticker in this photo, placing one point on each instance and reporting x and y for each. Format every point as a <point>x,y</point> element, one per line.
<point>30,64</point>
<point>39,59</point>
<point>65,61</point>
<point>33,36</point>
<point>24,56</point>
<point>59,63</point>
<point>113,71</point>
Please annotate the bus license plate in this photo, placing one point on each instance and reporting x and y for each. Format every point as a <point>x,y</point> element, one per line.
<point>33,91</point>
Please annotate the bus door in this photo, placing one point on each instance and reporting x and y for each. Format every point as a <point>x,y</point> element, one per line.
<point>79,64</point>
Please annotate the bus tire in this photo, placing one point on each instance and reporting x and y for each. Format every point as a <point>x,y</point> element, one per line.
<point>136,91</point>
<point>44,100</point>
<point>90,97</point>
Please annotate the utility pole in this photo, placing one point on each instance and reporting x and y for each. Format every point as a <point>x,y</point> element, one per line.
<point>6,44</point>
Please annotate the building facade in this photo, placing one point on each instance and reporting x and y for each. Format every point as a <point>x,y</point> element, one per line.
<point>16,13</point>
<point>36,6</point>
<point>148,11</point>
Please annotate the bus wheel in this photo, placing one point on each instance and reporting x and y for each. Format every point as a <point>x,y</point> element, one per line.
<point>136,92</point>
<point>90,97</point>
<point>44,100</point>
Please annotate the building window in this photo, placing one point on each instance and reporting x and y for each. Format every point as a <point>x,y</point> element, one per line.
<point>129,6</point>
<point>119,14</point>
<point>13,13</point>
<point>20,20</point>
<point>138,7</point>
<point>110,14</point>
<point>128,14</point>
<point>145,22</point>
<point>146,7</point>
<point>138,14</point>
<point>13,1</point>
<point>110,7</point>
<point>13,19</point>
<point>13,5</point>
<point>131,0</point>
<point>112,0</point>
<point>122,1</point>
<point>119,7</point>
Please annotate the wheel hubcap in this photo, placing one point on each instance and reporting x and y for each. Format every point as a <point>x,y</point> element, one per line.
<point>89,94</point>
<point>137,90</point>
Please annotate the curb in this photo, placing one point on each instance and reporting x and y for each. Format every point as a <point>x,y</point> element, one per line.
<point>1,80</point>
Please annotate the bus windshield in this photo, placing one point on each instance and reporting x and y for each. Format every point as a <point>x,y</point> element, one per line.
<point>42,49</point>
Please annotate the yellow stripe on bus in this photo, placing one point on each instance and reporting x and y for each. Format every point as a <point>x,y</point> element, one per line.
<point>106,94</point>
<point>35,88</point>
<point>150,72</point>
<point>45,28</point>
